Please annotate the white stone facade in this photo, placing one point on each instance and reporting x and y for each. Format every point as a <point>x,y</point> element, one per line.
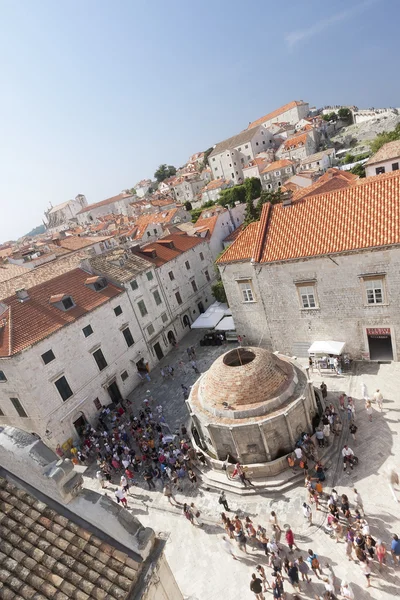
<point>384,166</point>
<point>274,316</point>
<point>229,163</point>
<point>32,381</point>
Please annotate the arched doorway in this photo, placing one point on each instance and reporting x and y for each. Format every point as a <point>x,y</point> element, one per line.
<point>186,321</point>
<point>171,337</point>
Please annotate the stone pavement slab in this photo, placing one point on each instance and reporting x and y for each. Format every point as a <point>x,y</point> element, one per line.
<point>203,570</point>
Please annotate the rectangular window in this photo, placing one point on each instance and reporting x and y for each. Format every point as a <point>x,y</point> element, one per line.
<point>1,413</point>
<point>87,330</point>
<point>246,290</point>
<point>178,297</point>
<point>157,297</point>
<point>171,275</point>
<point>48,356</point>
<point>118,311</point>
<point>201,256</point>
<point>63,388</point>
<point>149,275</point>
<point>164,317</point>
<point>207,274</point>
<point>18,407</point>
<point>128,337</point>
<point>142,308</point>
<point>379,170</point>
<point>100,360</point>
<point>150,330</point>
<point>2,376</point>
<point>395,166</point>
<point>134,285</point>
<point>307,296</point>
<point>97,404</point>
<point>187,265</point>
<point>194,286</point>
<point>124,375</point>
<point>374,291</point>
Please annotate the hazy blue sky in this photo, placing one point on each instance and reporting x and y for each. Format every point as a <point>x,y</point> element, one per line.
<point>96,94</point>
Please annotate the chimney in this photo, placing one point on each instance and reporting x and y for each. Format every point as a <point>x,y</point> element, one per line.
<point>22,295</point>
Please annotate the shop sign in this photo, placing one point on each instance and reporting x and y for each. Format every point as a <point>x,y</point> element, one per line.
<point>378,331</point>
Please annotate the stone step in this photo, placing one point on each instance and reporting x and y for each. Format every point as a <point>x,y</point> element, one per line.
<point>279,484</point>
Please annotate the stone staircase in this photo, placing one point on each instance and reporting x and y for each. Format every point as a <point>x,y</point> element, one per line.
<point>279,484</point>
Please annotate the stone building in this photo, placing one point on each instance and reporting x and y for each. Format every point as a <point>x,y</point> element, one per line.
<point>60,217</point>
<point>385,160</point>
<point>321,268</point>
<point>289,113</point>
<point>68,346</point>
<point>253,405</point>
<point>229,157</point>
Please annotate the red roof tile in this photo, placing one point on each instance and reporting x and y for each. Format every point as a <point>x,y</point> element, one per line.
<point>277,164</point>
<point>242,247</point>
<point>332,180</point>
<point>35,319</point>
<point>181,243</point>
<point>361,216</point>
<point>295,141</point>
<point>276,113</point>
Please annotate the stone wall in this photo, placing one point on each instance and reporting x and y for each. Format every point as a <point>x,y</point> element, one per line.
<point>276,320</point>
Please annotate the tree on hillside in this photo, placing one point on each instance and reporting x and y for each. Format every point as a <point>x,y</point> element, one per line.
<point>384,138</point>
<point>358,170</point>
<point>230,196</point>
<point>251,193</point>
<point>344,113</point>
<point>253,187</point>
<point>332,116</point>
<point>164,171</point>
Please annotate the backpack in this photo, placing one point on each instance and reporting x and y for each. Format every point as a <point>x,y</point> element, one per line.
<point>315,563</point>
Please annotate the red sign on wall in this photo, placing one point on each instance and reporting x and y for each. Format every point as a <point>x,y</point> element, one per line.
<point>378,331</point>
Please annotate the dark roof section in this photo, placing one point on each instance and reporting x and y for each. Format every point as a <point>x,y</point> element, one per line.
<point>119,265</point>
<point>47,556</point>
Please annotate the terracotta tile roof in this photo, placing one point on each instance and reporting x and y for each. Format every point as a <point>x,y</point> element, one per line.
<point>163,254</point>
<point>46,556</point>
<point>295,141</point>
<point>276,113</point>
<point>121,196</point>
<point>366,215</point>
<point>119,265</point>
<point>35,319</point>
<point>234,234</point>
<point>215,184</point>
<point>255,162</point>
<point>332,180</point>
<point>78,242</point>
<point>144,221</point>
<point>43,273</point>
<point>9,271</point>
<point>387,152</point>
<point>276,165</point>
<point>206,224</point>
<point>242,247</point>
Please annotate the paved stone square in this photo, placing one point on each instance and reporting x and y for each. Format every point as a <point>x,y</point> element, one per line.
<point>202,569</point>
